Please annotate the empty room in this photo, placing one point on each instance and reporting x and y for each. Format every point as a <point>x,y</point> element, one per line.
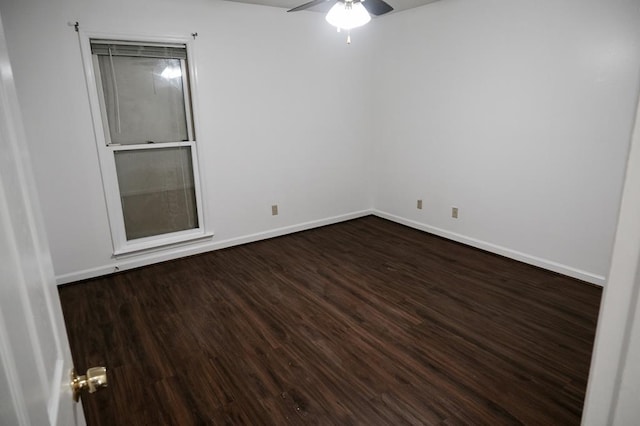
<point>328,212</point>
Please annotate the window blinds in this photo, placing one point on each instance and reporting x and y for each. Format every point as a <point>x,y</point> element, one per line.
<point>166,51</point>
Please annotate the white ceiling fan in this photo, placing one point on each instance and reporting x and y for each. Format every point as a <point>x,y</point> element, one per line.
<point>348,14</point>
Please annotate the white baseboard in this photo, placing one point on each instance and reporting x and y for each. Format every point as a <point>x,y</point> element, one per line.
<point>184,250</point>
<point>190,249</point>
<point>503,251</point>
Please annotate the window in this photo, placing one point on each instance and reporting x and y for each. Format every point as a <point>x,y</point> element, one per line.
<point>146,142</point>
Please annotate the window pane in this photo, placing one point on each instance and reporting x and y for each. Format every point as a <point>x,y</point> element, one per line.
<point>144,99</point>
<point>157,191</point>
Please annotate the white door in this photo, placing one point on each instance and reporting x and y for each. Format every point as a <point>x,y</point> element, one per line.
<point>35,359</point>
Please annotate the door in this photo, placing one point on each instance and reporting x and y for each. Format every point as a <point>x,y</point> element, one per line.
<point>35,359</point>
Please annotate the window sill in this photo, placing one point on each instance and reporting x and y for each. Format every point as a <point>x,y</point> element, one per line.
<point>161,244</point>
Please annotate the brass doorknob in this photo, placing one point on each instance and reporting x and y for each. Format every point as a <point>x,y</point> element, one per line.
<point>94,380</point>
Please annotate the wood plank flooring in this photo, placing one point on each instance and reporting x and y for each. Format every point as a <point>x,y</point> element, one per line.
<point>364,322</point>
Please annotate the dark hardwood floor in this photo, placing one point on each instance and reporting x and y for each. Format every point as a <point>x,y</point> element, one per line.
<point>364,322</point>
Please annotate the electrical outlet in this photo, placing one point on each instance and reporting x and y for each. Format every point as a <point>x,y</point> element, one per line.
<point>454,212</point>
<point>274,210</point>
<point>419,204</point>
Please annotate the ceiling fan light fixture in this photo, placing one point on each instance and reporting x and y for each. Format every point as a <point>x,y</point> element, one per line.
<point>347,15</point>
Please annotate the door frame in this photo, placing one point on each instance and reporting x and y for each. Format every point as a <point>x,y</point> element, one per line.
<point>611,382</point>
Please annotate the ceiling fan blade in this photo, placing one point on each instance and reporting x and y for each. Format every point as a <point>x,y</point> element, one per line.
<point>377,7</point>
<point>307,5</point>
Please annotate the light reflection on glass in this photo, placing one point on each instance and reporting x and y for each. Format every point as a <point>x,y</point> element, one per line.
<point>171,72</point>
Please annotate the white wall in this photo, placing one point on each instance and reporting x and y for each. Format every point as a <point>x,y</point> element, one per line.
<point>517,112</point>
<point>281,119</point>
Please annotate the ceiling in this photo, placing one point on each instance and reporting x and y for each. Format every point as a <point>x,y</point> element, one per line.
<point>397,5</point>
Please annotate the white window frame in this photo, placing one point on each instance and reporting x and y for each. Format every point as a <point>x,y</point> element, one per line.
<point>106,150</point>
